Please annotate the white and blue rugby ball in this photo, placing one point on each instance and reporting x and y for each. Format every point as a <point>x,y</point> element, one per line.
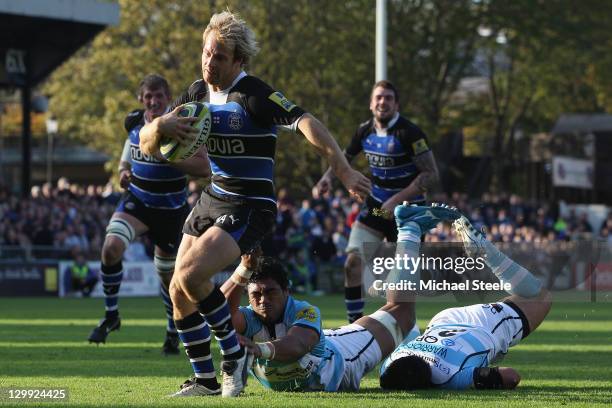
<point>172,150</point>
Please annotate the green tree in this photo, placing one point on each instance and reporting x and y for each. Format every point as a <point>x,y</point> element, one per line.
<point>537,58</point>
<point>93,91</point>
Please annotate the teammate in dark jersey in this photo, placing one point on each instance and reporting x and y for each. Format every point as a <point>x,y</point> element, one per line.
<point>238,209</point>
<point>155,203</point>
<point>403,169</point>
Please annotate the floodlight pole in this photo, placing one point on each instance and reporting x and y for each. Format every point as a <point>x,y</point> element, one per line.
<point>51,131</point>
<point>381,40</point>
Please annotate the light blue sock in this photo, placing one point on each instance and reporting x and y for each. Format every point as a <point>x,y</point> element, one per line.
<point>522,282</point>
<point>408,243</point>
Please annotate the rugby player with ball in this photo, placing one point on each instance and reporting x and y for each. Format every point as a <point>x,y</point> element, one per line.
<point>155,202</point>
<point>238,208</point>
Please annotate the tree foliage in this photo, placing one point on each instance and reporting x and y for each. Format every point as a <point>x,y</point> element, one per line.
<point>320,54</point>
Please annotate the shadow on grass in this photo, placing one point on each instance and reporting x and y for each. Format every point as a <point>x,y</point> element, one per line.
<point>591,394</point>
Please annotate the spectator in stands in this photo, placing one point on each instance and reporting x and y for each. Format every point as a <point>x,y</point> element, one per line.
<point>83,279</point>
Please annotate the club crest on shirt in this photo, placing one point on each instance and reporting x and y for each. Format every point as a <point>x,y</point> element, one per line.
<point>308,314</point>
<point>235,121</point>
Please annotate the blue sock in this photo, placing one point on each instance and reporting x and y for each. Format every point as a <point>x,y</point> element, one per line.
<point>217,314</point>
<point>522,282</point>
<point>354,303</point>
<point>195,336</point>
<point>171,327</point>
<point>111,282</point>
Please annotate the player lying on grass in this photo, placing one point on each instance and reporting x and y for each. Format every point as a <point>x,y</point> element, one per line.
<point>459,343</point>
<point>292,351</point>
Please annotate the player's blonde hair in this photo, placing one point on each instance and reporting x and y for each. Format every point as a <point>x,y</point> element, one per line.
<point>232,31</point>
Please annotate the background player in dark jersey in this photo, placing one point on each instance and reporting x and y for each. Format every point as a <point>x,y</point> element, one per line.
<point>155,203</point>
<point>459,343</point>
<point>402,168</point>
<point>237,210</point>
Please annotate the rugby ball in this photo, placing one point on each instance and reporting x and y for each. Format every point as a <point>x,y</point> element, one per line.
<point>172,150</point>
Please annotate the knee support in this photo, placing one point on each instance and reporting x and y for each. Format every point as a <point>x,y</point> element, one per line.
<point>387,320</point>
<point>164,265</point>
<point>121,229</point>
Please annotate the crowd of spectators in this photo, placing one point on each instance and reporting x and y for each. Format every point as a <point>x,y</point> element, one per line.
<point>56,221</point>
<point>311,234</point>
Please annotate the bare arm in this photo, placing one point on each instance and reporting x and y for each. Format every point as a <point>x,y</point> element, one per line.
<point>233,287</point>
<point>292,347</point>
<point>169,125</point>
<point>233,293</point>
<point>324,184</point>
<point>426,180</point>
<point>197,165</point>
<point>356,183</point>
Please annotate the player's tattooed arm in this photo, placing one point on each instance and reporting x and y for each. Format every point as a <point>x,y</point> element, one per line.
<point>428,172</point>
<point>424,182</point>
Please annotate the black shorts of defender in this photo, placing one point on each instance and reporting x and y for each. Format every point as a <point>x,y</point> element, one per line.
<point>248,223</point>
<point>384,225</point>
<point>164,225</point>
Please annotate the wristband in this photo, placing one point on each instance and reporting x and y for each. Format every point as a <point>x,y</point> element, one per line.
<point>243,272</point>
<point>267,349</point>
<point>237,281</point>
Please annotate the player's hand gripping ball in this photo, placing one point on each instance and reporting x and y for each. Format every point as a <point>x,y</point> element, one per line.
<point>174,151</point>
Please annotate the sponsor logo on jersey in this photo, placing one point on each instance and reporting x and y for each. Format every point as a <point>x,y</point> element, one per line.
<point>309,314</point>
<point>137,155</point>
<point>279,99</point>
<point>234,121</point>
<point>420,146</point>
<point>376,160</point>
<point>428,348</point>
<point>224,145</point>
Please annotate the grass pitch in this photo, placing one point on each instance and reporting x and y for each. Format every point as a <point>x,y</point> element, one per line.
<point>566,362</point>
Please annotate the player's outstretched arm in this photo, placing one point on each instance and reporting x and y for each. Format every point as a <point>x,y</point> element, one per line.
<point>317,134</point>
<point>170,126</point>
<point>289,348</point>
<point>233,287</point>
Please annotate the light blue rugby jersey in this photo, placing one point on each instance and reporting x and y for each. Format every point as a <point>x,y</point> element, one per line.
<point>157,184</point>
<point>319,370</point>
<point>453,351</point>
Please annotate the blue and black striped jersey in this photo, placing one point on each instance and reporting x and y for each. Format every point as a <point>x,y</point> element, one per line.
<point>156,184</point>
<point>242,143</point>
<point>390,156</point>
